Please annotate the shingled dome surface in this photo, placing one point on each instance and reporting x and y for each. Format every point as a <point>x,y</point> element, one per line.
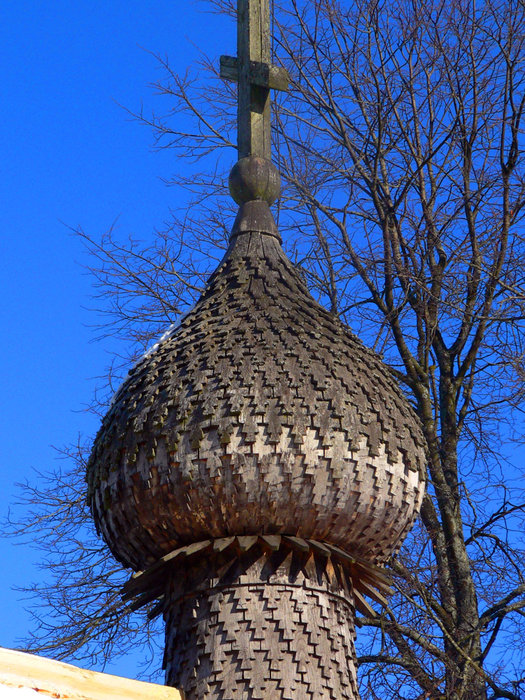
<point>261,413</point>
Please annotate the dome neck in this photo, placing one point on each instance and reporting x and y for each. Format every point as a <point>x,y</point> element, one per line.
<point>255,184</point>
<point>255,217</point>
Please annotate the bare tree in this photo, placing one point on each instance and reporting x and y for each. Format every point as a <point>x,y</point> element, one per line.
<point>400,145</point>
<point>415,113</point>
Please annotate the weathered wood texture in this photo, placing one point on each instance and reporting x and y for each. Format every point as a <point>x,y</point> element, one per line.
<point>260,414</point>
<point>255,75</point>
<point>261,625</point>
<point>192,566</point>
<point>260,461</point>
<point>261,74</point>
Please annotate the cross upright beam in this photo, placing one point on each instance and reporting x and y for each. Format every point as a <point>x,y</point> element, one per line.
<point>255,74</point>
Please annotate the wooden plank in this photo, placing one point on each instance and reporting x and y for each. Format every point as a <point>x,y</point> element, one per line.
<point>246,542</point>
<point>373,593</point>
<point>157,609</point>
<point>151,579</point>
<point>222,544</point>
<point>144,598</point>
<point>319,548</point>
<point>67,682</point>
<point>196,548</point>
<point>142,579</point>
<point>297,542</point>
<point>362,605</point>
<point>272,542</point>
<point>261,74</point>
<point>253,44</point>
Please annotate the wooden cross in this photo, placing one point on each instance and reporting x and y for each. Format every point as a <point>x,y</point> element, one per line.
<point>255,74</point>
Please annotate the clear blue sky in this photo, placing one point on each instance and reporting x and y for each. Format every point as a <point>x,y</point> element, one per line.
<point>70,156</point>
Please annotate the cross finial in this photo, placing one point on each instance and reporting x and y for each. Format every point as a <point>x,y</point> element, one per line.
<point>256,76</point>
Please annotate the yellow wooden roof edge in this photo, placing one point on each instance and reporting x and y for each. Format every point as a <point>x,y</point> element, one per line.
<point>67,682</point>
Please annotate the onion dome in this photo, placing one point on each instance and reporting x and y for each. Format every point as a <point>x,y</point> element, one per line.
<point>261,413</point>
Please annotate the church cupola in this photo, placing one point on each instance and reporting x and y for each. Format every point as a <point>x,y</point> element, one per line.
<point>258,467</point>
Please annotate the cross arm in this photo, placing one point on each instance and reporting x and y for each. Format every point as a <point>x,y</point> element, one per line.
<point>255,75</point>
<point>260,74</point>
